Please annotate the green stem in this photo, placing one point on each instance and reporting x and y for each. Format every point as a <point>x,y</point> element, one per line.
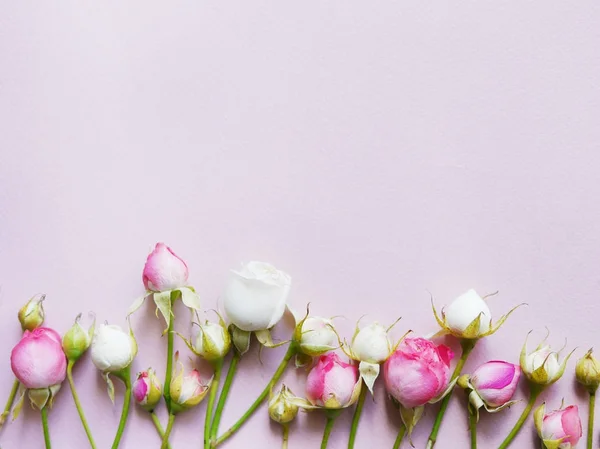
<point>286,435</point>
<point>327,432</point>
<point>472,427</point>
<point>214,428</point>
<point>9,402</point>
<point>159,428</point>
<point>467,346</point>
<point>165,441</point>
<point>590,434</point>
<point>278,373</point>
<point>400,437</point>
<point>78,406</point>
<point>214,388</point>
<point>169,371</point>
<point>534,392</point>
<point>125,376</point>
<point>356,417</point>
<point>45,426</point>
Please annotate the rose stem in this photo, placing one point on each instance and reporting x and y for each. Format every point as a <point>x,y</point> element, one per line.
<point>214,388</point>
<point>472,427</point>
<point>214,428</point>
<point>125,376</point>
<point>331,417</point>
<point>9,402</point>
<point>158,426</point>
<point>467,346</point>
<point>278,373</point>
<point>86,427</point>
<point>356,417</point>
<point>286,435</point>
<point>590,434</point>
<point>165,441</point>
<point>534,392</point>
<point>169,371</point>
<point>400,437</point>
<point>45,427</point>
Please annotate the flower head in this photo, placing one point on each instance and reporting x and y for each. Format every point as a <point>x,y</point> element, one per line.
<point>212,342</point>
<point>315,336</point>
<point>542,366</point>
<point>492,385</point>
<point>147,390</point>
<point>113,349</point>
<point>164,270</point>
<point>332,383</point>
<point>469,317</point>
<point>187,390</point>
<point>77,340</point>
<point>587,372</point>
<point>559,429</point>
<point>31,315</point>
<point>282,406</point>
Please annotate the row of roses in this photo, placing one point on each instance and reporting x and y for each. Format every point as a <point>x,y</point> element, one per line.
<point>416,371</point>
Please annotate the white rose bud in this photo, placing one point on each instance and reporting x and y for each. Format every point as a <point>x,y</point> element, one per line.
<point>542,366</point>
<point>212,342</point>
<point>112,349</point>
<point>256,296</point>
<point>316,336</point>
<point>282,408</point>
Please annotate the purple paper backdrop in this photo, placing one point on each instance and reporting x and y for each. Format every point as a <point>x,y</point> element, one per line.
<point>377,151</point>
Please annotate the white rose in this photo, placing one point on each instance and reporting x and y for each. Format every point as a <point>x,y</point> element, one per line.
<point>317,336</point>
<point>112,348</point>
<point>372,344</point>
<point>466,308</point>
<point>212,342</point>
<point>256,296</point>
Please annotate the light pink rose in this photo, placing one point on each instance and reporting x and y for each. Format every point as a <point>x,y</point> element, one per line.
<point>332,383</point>
<point>564,425</point>
<point>495,382</point>
<point>164,270</point>
<point>38,360</point>
<point>417,372</point>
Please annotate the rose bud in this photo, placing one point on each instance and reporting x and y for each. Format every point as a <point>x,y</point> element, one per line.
<point>256,296</point>
<point>187,391</point>
<point>587,372</point>
<point>212,342</point>
<point>113,349</point>
<point>166,275</point>
<point>332,383</point>
<point>560,429</point>
<point>147,390</point>
<point>469,317</point>
<point>542,366</point>
<point>315,336</point>
<point>492,385</point>
<point>417,373</point>
<point>282,406</point>
<point>39,363</point>
<point>31,315</point>
<point>77,340</point>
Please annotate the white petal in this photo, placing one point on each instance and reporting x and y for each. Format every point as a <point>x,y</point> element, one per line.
<point>464,309</point>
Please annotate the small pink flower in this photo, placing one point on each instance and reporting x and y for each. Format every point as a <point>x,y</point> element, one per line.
<point>495,382</point>
<point>562,427</point>
<point>147,390</point>
<point>187,390</point>
<point>164,270</point>
<point>417,372</point>
<point>332,383</point>
<point>38,360</point>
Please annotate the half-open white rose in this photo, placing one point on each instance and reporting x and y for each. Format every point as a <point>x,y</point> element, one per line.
<point>256,296</point>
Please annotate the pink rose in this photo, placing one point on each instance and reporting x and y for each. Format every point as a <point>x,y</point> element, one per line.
<point>38,360</point>
<point>560,427</point>
<point>417,372</point>
<point>164,270</point>
<point>495,382</point>
<point>147,389</point>
<point>332,383</point>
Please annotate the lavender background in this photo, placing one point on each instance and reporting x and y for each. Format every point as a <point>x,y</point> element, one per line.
<point>377,151</point>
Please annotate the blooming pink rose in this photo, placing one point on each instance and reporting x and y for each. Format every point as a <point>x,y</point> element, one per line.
<point>333,383</point>
<point>417,372</point>
<point>38,360</point>
<point>164,270</point>
<point>563,425</point>
<point>495,382</point>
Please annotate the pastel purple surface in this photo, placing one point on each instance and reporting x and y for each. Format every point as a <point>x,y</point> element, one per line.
<point>375,151</point>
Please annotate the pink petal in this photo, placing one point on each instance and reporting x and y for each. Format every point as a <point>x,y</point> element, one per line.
<point>571,424</point>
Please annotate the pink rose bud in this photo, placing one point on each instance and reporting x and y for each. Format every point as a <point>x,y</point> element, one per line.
<point>332,383</point>
<point>188,390</point>
<point>417,372</point>
<point>38,361</point>
<point>164,270</point>
<point>560,428</point>
<point>492,385</point>
<point>147,390</point>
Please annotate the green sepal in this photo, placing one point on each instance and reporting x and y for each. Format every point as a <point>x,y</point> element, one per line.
<point>240,338</point>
